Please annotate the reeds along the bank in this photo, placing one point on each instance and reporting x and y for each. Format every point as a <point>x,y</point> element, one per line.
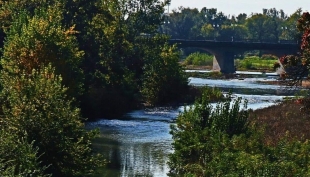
<point>286,119</point>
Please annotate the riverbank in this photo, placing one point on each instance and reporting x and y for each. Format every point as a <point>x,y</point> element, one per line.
<point>139,143</point>
<point>285,119</point>
<point>304,84</point>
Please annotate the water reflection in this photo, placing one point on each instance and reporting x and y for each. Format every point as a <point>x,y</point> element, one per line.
<point>135,147</point>
<point>139,143</point>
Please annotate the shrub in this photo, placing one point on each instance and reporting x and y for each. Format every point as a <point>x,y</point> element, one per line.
<point>269,57</point>
<point>202,132</point>
<point>18,157</point>
<point>199,59</point>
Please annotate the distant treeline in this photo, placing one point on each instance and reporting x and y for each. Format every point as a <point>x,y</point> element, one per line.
<point>270,25</point>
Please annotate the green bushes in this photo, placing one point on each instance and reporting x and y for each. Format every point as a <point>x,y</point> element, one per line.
<point>199,59</point>
<point>199,134</point>
<point>219,141</point>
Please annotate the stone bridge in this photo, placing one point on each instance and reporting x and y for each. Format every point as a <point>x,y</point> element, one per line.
<point>224,51</point>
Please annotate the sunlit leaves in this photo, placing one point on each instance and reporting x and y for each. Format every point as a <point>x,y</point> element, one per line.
<point>33,42</point>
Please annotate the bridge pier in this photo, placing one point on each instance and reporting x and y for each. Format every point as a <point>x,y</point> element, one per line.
<point>223,62</point>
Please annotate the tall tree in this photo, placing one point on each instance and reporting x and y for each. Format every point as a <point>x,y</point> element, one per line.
<point>258,27</point>
<point>289,29</point>
<point>184,23</point>
<point>33,42</point>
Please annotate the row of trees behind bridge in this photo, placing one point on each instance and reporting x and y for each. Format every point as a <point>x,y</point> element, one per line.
<point>270,25</point>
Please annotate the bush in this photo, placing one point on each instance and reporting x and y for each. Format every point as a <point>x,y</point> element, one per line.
<point>198,132</point>
<point>199,59</point>
<point>269,57</point>
<point>18,157</point>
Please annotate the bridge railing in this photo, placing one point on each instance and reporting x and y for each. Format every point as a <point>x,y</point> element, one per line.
<point>241,40</point>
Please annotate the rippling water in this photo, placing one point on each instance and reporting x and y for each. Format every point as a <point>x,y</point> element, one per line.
<point>138,144</point>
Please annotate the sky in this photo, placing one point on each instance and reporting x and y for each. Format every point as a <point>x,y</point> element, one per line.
<point>235,7</point>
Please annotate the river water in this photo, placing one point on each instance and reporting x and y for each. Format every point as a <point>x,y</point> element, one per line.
<point>139,143</point>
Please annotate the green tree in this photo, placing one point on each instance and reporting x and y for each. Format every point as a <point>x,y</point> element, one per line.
<point>35,41</point>
<point>233,32</point>
<point>289,29</point>
<point>184,23</point>
<point>110,34</point>
<point>208,31</point>
<point>258,27</point>
<point>241,18</point>
<point>275,22</point>
<point>36,109</point>
<point>164,79</point>
<point>115,60</point>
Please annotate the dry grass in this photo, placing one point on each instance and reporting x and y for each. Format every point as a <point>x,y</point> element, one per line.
<point>306,84</point>
<point>283,119</point>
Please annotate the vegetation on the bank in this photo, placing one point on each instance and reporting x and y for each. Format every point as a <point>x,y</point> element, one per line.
<point>264,63</point>
<point>199,59</point>
<point>215,94</point>
<point>65,60</point>
<point>297,68</point>
<point>41,127</point>
<point>227,141</point>
<point>214,74</point>
<point>223,141</point>
<point>40,119</point>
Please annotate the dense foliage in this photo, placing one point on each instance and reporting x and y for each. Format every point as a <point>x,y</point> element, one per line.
<point>162,75</point>
<point>18,157</point>
<point>33,42</point>
<point>41,127</point>
<point>36,110</point>
<point>297,67</point>
<point>219,141</point>
<point>102,56</point>
<point>116,43</point>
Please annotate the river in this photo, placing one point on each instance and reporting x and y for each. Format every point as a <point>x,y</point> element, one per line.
<point>139,143</point>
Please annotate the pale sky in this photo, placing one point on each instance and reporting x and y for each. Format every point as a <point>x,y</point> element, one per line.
<point>235,7</point>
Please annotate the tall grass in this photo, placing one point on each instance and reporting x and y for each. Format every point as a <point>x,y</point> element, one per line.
<point>266,62</point>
